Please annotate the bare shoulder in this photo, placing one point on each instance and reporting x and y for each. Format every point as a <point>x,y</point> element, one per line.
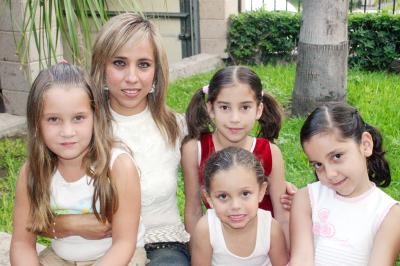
<point>190,145</point>
<point>124,167</point>
<point>275,150</point>
<point>23,174</point>
<point>189,151</point>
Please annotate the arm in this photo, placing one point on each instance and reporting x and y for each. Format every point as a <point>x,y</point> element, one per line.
<point>301,237</point>
<point>277,187</point>
<point>126,219</point>
<point>84,225</point>
<point>201,247</point>
<point>386,245</point>
<point>23,242</point>
<point>278,252</point>
<point>190,168</point>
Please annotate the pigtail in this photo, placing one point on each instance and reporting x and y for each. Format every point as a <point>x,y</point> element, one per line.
<point>197,117</point>
<point>271,119</point>
<point>378,166</point>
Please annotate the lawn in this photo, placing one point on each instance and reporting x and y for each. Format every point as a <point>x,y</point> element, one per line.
<point>375,94</point>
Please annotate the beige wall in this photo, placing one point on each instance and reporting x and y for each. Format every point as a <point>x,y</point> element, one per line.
<point>214,15</point>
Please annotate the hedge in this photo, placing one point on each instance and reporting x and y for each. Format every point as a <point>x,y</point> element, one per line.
<point>264,37</point>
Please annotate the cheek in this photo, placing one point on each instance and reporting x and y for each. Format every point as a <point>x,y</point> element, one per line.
<point>113,77</point>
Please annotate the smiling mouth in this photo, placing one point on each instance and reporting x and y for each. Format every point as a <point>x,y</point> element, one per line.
<point>131,92</point>
<point>237,217</point>
<point>235,130</point>
<point>339,182</point>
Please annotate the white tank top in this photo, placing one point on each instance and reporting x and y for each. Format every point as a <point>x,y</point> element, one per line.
<point>76,198</point>
<point>222,256</point>
<point>344,228</point>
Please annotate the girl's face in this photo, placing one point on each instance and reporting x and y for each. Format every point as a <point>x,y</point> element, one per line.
<point>340,164</point>
<point>130,75</point>
<point>66,123</point>
<point>235,194</point>
<point>234,112</point>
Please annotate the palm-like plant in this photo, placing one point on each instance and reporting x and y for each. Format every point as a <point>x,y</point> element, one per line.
<point>45,21</point>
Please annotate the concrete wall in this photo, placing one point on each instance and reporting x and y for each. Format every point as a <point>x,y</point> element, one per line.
<point>214,15</point>
<point>15,78</point>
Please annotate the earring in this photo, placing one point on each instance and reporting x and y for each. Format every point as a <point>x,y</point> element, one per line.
<point>153,88</point>
<point>105,88</point>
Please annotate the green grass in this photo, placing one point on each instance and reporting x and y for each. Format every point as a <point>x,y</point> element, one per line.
<point>374,94</point>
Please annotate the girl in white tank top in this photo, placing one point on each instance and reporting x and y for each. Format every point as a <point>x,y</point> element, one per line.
<point>235,231</point>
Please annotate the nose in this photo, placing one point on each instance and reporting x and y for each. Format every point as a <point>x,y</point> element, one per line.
<point>67,130</point>
<point>131,75</point>
<point>330,172</point>
<point>235,117</point>
<point>235,204</point>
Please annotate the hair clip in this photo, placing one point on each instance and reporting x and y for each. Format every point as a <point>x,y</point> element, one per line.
<point>205,89</point>
<point>62,61</point>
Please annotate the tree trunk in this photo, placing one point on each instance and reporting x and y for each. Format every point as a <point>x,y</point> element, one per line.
<point>322,55</point>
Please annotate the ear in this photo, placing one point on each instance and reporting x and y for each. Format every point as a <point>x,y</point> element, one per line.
<point>367,144</point>
<point>207,197</point>
<point>263,189</point>
<point>260,109</point>
<point>210,110</point>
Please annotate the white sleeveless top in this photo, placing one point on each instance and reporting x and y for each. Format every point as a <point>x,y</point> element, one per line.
<point>76,198</point>
<point>344,228</point>
<point>222,256</point>
<point>158,163</point>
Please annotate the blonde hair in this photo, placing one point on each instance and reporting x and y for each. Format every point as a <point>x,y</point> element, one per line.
<point>42,162</point>
<point>113,36</point>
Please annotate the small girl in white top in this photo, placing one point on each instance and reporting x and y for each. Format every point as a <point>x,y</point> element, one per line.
<point>74,167</point>
<point>344,219</point>
<point>236,231</point>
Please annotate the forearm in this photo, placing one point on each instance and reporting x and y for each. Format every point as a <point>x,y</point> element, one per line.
<point>192,216</point>
<point>23,254</point>
<point>120,253</point>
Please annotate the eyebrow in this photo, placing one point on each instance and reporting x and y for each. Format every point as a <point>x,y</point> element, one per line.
<point>245,102</point>
<point>125,58</point>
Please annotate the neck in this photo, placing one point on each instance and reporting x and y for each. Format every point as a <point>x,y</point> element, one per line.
<point>71,170</point>
<point>220,142</point>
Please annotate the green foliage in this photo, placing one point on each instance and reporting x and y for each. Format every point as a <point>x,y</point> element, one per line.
<point>374,40</point>
<point>261,36</point>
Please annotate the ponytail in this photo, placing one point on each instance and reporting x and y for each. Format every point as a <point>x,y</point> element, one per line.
<point>378,166</point>
<point>197,117</point>
<point>271,118</point>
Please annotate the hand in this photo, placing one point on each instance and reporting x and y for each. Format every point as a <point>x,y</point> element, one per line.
<point>84,225</point>
<point>91,228</point>
<point>287,198</point>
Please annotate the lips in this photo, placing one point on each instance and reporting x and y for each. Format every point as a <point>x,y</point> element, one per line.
<point>338,183</point>
<point>131,92</point>
<point>236,218</point>
<point>235,130</point>
<point>68,144</point>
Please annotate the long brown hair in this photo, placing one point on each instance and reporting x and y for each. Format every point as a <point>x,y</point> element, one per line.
<point>112,37</point>
<point>42,162</point>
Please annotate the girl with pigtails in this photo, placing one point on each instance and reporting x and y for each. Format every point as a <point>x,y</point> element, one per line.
<point>344,219</point>
<point>221,115</point>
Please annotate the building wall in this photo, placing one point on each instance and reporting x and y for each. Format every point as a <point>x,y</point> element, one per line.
<point>214,15</point>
